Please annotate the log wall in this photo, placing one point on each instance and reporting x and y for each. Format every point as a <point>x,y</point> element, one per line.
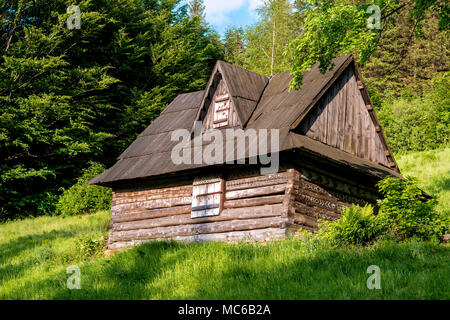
<point>254,206</point>
<point>310,201</point>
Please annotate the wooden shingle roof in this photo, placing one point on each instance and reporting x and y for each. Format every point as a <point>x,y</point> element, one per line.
<point>260,104</point>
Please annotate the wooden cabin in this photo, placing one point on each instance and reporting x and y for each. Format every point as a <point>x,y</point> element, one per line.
<point>331,152</point>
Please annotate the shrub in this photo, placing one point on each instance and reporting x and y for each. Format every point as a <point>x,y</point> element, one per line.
<point>407,213</point>
<point>89,247</point>
<point>82,198</point>
<point>357,226</point>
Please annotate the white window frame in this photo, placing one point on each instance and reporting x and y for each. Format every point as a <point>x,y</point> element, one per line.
<point>207,196</point>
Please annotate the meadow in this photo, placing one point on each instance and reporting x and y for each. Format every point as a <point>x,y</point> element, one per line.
<point>35,254</point>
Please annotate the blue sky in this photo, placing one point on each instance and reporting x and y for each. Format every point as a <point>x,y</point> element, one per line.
<point>223,13</point>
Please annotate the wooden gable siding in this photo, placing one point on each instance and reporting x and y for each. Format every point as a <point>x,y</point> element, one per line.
<point>208,120</point>
<point>341,119</point>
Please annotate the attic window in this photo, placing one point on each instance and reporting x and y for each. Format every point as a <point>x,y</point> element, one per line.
<point>207,196</point>
<point>221,111</point>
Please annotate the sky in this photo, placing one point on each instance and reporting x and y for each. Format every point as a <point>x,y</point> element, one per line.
<point>223,13</point>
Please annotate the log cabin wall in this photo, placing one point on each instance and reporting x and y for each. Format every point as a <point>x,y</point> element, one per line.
<point>254,207</point>
<point>311,200</point>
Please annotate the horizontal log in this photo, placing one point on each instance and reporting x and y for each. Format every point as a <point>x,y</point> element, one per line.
<point>318,202</point>
<point>247,193</point>
<point>152,204</point>
<point>138,193</point>
<point>252,235</point>
<point>315,212</point>
<point>150,214</point>
<point>149,197</point>
<point>185,219</point>
<point>304,220</point>
<point>194,229</point>
<point>251,202</point>
<point>259,181</point>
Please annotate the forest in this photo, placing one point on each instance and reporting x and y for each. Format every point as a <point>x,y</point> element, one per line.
<point>71,100</point>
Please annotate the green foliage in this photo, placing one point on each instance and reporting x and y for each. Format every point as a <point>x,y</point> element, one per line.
<point>406,212</point>
<point>331,29</point>
<point>35,254</point>
<point>433,170</point>
<point>70,96</point>
<point>406,62</point>
<point>82,198</point>
<point>357,226</point>
<point>418,123</point>
<point>266,40</point>
<point>234,46</point>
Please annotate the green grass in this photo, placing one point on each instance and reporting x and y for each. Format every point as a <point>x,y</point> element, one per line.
<point>35,254</point>
<point>432,169</point>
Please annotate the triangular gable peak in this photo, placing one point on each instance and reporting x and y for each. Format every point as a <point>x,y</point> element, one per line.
<point>231,96</point>
<point>343,117</point>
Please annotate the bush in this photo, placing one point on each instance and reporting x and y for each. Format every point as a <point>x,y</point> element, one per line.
<point>406,212</point>
<point>82,198</point>
<point>89,247</point>
<point>357,226</point>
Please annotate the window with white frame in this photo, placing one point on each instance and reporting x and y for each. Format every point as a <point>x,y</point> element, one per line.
<point>207,196</point>
<point>221,111</point>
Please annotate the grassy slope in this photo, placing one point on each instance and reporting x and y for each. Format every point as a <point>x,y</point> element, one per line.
<point>34,255</point>
<point>432,169</point>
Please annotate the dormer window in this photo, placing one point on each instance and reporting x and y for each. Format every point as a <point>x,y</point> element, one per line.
<point>221,111</point>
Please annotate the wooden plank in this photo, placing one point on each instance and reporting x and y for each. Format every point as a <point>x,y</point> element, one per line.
<point>315,212</point>
<point>246,193</point>
<point>149,214</point>
<point>252,235</point>
<point>168,194</point>
<point>259,181</point>
<point>185,219</point>
<point>194,229</point>
<point>318,202</point>
<point>251,202</point>
<point>154,193</point>
<point>153,204</point>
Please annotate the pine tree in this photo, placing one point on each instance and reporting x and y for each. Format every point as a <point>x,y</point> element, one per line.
<point>234,46</point>
<point>71,96</point>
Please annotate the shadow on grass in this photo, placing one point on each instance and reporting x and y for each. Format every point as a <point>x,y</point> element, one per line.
<point>17,247</point>
<point>217,271</point>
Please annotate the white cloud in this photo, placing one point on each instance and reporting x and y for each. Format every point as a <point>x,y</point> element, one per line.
<point>253,4</point>
<point>217,10</point>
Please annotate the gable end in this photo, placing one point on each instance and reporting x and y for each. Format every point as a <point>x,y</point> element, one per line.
<point>344,118</point>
